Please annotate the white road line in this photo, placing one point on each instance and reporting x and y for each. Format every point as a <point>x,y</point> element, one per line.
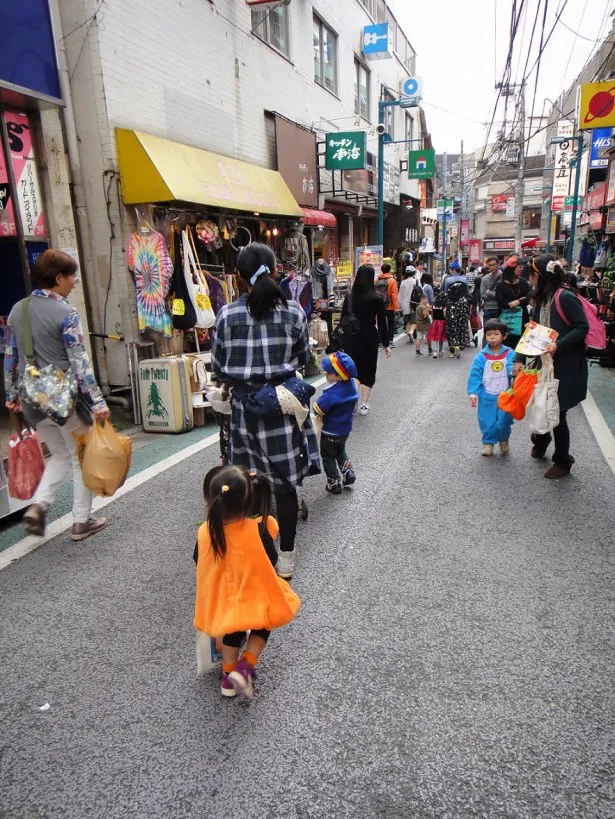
<point>30,543</point>
<point>600,428</point>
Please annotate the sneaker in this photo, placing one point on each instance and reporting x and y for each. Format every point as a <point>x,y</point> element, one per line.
<point>504,448</point>
<point>349,476</point>
<point>83,530</point>
<point>452,354</point>
<point>487,450</point>
<point>364,409</point>
<point>334,485</point>
<point>286,565</point>
<point>457,352</point>
<point>441,353</point>
<point>242,678</point>
<point>226,686</point>
<point>34,519</point>
<point>435,355</point>
<point>429,351</point>
<point>417,352</point>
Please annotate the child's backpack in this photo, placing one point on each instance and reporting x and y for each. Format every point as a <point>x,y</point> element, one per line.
<point>417,294</point>
<point>596,337</point>
<point>382,288</point>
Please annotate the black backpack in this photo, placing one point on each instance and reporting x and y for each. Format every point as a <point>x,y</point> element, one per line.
<point>382,288</point>
<point>417,295</point>
<point>347,334</point>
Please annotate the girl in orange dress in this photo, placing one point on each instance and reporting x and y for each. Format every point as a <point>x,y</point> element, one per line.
<point>237,588</point>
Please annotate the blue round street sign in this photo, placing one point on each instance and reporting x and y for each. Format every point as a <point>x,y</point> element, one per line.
<point>411,87</point>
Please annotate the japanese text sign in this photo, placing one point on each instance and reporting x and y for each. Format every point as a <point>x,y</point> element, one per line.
<point>345,150</point>
<point>475,253</point>
<point>23,161</point>
<point>563,153</point>
<point>296,149</point>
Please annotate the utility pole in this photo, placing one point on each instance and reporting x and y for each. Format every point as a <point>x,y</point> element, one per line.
<point>519,191</point>
<point>444,183</point>
<point>464,215</point>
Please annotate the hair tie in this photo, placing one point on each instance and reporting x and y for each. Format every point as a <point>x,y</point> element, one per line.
<point>253,474</point>
<point>263,270</point>
<point>226,488</point>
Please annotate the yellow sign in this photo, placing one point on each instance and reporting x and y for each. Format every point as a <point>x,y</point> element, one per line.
<point>597,108</point>
<point>344,268</point>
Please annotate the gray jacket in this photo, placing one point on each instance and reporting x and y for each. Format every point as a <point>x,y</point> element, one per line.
<point>487,291</point>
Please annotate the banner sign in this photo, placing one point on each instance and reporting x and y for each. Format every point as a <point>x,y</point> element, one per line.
<point>563,151</point>
<point>422,164</point>
<point>449,209</point>
<point>601,141</point>
<point>296,149</point>
<point>499,203</point>
<point>345,150</point>
<point>370,254</point>
<point>23,161</point>
<point>7,216</point>
<point>597,105</point>
<point>558,203</point>
<point>464,236</point>
<point>475,253</point>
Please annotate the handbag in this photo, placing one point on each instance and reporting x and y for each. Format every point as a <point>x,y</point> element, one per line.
<point>319,332</point>
<point>543,409</point>
<point>347,334</point>
<point>199,292</point>
<point>513,319</point>
<point>183,313</point>
<point>48,389</point>
<point>26,463</point>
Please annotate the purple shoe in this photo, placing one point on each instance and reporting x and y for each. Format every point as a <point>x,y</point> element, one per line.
<point>226,687</point>
<point>242,678</point>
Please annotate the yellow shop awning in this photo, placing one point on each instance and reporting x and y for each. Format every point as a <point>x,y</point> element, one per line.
<point>159,170</point>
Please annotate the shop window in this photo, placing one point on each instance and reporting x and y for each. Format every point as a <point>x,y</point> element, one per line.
<point>325,55</point>
<point>410,132</point>
<point>392,28</point>
<point>361,90</point>
<point>531,219</point>
<point>389,115</point>
<point>272,26</point>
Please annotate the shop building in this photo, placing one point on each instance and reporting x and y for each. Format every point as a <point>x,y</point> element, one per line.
<point>147,88</point>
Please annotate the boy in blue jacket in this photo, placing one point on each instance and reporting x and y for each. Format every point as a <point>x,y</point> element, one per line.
<point>490,375</point>
<point>335,407</point>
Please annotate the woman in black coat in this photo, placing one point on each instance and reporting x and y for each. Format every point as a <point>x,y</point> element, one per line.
<point>569,356</point>
<point>513,292</point>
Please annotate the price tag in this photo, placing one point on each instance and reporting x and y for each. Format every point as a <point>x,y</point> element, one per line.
<point>178,308</point>
<point>203,302</point>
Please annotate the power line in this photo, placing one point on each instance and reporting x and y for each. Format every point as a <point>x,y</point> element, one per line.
<point>577,34</point>
<point>546,42</point>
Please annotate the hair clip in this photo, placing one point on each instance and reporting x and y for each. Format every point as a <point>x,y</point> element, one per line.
<point>263,270</point>
<point>253,474</point>
<point>550,267</point>
<point>226,488</point>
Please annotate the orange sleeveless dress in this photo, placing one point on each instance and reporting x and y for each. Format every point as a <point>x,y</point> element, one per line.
<point>240,591</point>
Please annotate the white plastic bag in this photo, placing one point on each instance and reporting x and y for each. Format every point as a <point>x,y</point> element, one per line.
<point>208,653</point>
<point>205,316</point>
<point>543,409</point>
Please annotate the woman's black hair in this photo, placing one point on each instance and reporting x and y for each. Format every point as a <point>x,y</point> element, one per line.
<point>508,274</point>
<point>364,286</point>
<point>406,274</point>
<point>548,281</point>
<point>261,495</point>
<point>265,294</point>
<point>427,278</point>
<point>570,281</point>
<point>228,495</point>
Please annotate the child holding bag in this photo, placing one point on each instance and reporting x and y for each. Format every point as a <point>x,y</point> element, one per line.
<point>237,588</point>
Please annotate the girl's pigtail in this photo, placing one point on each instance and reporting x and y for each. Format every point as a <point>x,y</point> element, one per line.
<point>264,496</point>
<point>215,524</point>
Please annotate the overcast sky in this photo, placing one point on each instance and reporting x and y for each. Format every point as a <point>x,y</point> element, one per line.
<point>459,56</point>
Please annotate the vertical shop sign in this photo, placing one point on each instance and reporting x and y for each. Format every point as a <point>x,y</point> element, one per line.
<point>561,175</point>
<point>475,254</point>
<point>465,233</point>
<point>296,148</point>
<point>23,160</point>
<point>7,217</point>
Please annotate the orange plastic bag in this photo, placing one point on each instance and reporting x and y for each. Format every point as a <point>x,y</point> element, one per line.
<point>105,458</point>
<point>25,462</point>
<point>515,400</point>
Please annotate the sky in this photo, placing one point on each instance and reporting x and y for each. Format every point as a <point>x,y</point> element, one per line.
<point>459,57</point>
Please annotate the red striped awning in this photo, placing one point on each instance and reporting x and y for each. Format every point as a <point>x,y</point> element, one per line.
<point>319,217</point>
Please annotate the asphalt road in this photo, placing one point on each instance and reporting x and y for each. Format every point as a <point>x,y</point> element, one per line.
<point>454,655</point>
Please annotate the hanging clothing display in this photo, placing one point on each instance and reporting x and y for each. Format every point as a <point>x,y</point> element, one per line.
<point>322,282</point>
<point>299,289</point>
<point>149,260</point>
<point>183,313</point>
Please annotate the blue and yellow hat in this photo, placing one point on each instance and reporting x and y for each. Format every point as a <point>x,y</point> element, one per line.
<point>341,364</point>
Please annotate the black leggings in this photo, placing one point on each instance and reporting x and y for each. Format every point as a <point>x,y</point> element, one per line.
<point>287,507</point>
<point>561,436</point>
<point>235,639</point>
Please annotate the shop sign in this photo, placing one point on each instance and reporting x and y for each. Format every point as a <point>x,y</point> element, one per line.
<point>422,164</point>
<point>570,203</point>
<point>532,188</point>
<point>558,203</point>
<point>370,254</point>
<point>601,141</point>
<point>345,150</point>
<point>391,184</point>
<point>597,105</point>
<point>610,220</point>
<point>28,62</point>
<point>610,194</point>
<point>445,205</point>
<point>499,244</point>
<point>475,253</point>
<point>344,269</point>
<point>464,237</point>
<point>499,204</point>
<point>377,42</point>
<point>7,216</point>
<point>363,180</point>
<point>296,149</point>
<point>563,152</point>
<point>510,207</point>
<point>592,203</point>
<point>23,161</point>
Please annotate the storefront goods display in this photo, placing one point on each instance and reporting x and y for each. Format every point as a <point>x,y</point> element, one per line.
<point>149,260</point>
<point>183,312</point>
<point>209,233</point>
<point>319,333</point>
<point>299,288</point>
<point>105,458</point>
<point>164,390</point>
<point>195,281</point>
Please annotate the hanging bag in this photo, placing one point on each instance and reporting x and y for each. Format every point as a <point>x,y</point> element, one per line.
<point>543,410</point>
<point>26,463</point>
<point>205,316</point>
<point>319,332</point>
<point>183,313</point>
<point>48,389</point>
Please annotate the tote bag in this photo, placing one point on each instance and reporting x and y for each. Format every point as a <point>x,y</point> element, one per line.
<point>513,319</point>
<point>543,409</point>
<point>26,463</point>
<point>205,316</point>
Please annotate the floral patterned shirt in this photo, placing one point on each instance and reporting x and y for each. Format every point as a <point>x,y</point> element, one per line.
<point>74,342</point>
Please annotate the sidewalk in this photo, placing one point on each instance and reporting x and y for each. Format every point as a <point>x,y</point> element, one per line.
<point>602,388</point>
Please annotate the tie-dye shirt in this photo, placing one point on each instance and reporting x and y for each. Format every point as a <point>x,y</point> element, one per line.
<point>149,259</point>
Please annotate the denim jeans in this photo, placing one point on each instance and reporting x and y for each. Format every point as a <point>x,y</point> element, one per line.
<point>334,455</point>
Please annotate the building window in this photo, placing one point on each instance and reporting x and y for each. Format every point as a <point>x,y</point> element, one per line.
<point>271,25</point>
<point>531,219</point>
<point>325,55</point>
<point>361,90</point>
<point>409,132</point>
<point>377,9</point>
<point>389,115</point>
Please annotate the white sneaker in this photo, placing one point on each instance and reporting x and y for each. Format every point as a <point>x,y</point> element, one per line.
<point>487,450</point>
<point>504,448</point>
<point>286,564</point>
<point>364,409</point>
<point>435,355</point>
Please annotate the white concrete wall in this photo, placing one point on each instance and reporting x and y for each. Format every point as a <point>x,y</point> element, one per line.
<point>192,71</point>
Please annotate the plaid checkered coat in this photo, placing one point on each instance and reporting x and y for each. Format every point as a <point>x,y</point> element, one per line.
<point>247,353</point>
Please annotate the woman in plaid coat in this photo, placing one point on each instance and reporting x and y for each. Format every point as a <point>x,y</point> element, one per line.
<point>262,339</point>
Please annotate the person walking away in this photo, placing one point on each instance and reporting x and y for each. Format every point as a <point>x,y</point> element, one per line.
<point>335,407</point>
<point>426,281</point>
<point>457,318</point>
<point>260,340</point>
<point>237,589</point>
<point>456,276</point>
<point>437,329</point>
<point>405,292</point>
<point>57,338</point>
<point>561,310</point>
<point>490,375</point>
<point>512,294</point>
<point>423,323</point>
<point>386,287</point>
<point>487,291</point>
<point>368,307</point>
